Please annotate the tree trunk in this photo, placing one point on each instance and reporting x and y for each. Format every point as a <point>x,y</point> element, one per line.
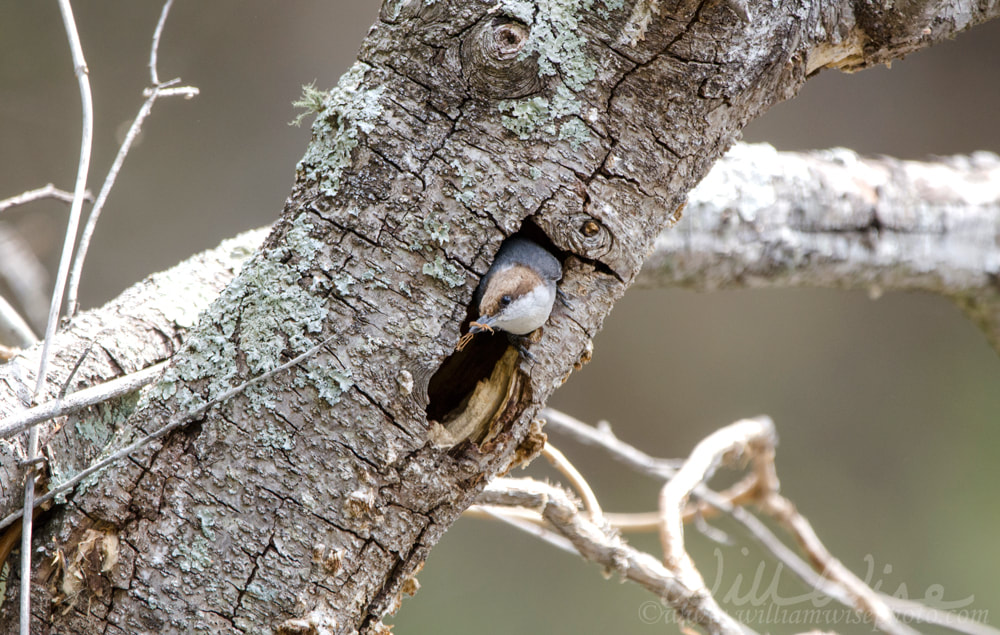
<point>306,502</point>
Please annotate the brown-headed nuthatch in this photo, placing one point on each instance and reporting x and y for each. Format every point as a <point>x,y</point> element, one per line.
<point>517,293</point>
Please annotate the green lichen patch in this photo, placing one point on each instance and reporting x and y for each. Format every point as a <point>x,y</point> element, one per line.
<point>556,39</point>
<point>192,555</point>
<point>445,272</point>
<point>271,437</point>
<point>311,102</point>
<point>437,229</point>
<point>108,417</point>
<point>525,116</point>
<point>557,117</point>
<point>330,382</point>
<point>306,247</point>
<point>98,428</point>
<point>466,173</point>
<point>261,316</point>
<point>206,521</point>
<point>575,132</point>
<point>182,298</point>
<point>343,282</point>
<point>345,113</point>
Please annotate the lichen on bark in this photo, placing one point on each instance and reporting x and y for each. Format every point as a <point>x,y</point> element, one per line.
<point>412,180</point>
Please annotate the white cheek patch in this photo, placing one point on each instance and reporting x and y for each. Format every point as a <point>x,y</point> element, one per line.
<point>528,312</point>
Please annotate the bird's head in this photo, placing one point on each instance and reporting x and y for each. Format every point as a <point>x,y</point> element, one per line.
<point>516,299</point>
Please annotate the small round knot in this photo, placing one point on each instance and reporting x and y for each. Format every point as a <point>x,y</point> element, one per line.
<point>590,228</point>
<point>579,233</point>
<point>510,38</point>
<point>493,59</point>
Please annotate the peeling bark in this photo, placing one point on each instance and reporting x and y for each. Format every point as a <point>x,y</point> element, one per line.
<point>307,502</point>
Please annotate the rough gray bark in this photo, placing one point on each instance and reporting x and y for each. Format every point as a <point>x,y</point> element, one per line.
<point>307,502</point>
<point>144,325</point>
<point>834,219</point>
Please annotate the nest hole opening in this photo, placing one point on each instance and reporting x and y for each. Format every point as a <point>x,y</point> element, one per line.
<point>455,380</point>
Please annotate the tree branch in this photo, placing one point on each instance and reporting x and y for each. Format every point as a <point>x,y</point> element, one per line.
<point>756,438</point>
<point>693,262</point>
<point>461,124</point>
<point>47,191</point>
<point>763,218</point>
<point>605,547</point>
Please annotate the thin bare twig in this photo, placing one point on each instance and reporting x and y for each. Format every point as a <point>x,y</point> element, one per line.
<point>605,547</point>
<point>154,78</point>
<point>152,94</point>
<point>603,437</point>
<point>13,329</point>
<point>724,445</point>
<point>728,502</point>
<point>48,191</point>
<point>76,209</point>
<point>904,608</point>
<point>580,484</point>
<point>534,524</point>
<point>74,402</point>
<point>756,438</point>
<point>526,520</point>
<point>783,510</point>
<point>86,142</point>
<point>165,90</point>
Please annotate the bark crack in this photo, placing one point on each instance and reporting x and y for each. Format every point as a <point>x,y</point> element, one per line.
<point>389,418</point>
<point>241,592</point>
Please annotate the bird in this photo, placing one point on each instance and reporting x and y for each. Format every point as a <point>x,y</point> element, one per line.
<point>517,293</point>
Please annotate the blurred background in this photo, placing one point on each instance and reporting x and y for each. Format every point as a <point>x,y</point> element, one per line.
<point>887,410</point>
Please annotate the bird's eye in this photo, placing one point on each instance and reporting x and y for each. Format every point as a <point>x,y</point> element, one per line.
<point>505,300</point>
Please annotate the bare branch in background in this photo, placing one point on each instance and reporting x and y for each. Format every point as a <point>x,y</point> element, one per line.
<point>603,546</point>
<point>763,218</point>
<point>48,191</point>
<point>13,329</point>
<point>153,93</point>
<point>777,506</point>
<point>76,210</point>
<point>24,275</point>
<point>523,503</point>
<point>579,483</point>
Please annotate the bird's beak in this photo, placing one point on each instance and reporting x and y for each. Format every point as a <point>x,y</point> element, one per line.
<point>482,323</point>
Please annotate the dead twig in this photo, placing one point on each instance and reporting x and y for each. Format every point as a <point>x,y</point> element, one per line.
<point>576,479</point>
<point>751,440</point>
<point>735,441</point>
<point>604,546</point>
<point>865,600</point>
<point>76,210</point>
<point>74,402</point>
<point>47,191</point>
<point>158,89</point>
